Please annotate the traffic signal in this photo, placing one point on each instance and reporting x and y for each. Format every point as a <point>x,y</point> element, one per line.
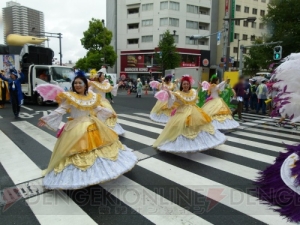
<point>277,55</point>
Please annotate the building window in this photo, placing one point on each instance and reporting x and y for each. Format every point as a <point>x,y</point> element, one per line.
<point>245,23</point>
<point>192,25</point>
<point>147,7</point>
<point>202,42</point>
<point>264,1</point>
<point>253,25</point>
<point>252,37</point>
<point>236,36</point>
<point>146,23</point>
<point>188,41</point>
<point>173,22</point>
<point>133,41</point>
<point>237,22</point>
<point>148,38</point>
<point>238,8</point>
<point>204,11</point>
<point>254,11</point>
<point>133,11</point>
<point>246,10</point>
<point>174,6</point>
<point>192,9</point>
<point>245,37</point>
<point>203,26</point>
<point>261,26</point>
<point>235,49</point>
<point>163,5</point>
<point>133,26</point>
<point>262,12</point>
<point>163,21</point>
<point>176,38</point>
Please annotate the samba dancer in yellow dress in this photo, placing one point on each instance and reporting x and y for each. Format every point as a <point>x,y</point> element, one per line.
<point>190,129</point>
<point>101,87</point>
<point>160,112</point>
<point>217,109</point>
<point>87,152</point>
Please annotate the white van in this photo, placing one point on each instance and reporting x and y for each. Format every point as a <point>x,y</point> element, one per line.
<point>264,74</point>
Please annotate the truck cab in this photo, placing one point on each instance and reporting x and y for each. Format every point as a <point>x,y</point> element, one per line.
<point>42,74</point>
<point>36,63</point>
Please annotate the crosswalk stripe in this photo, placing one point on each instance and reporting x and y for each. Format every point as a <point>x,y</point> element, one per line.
<point>254,144</point>
<point>24,107</point>
<point>268,119</point>
<point>18,166</point>
<point>245,153</point>
<point>264,132</point>
<point>45,139</point>
<point>143,115</point>
<point>142,119</point>
<point>202,185</point>
<point>223,165</point>
<point>150,164</point>
<point>135,195</point>
<point>261,137</point>
<point>56,207</point>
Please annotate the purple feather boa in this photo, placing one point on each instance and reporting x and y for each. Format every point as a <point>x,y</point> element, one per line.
<point>272,190</point>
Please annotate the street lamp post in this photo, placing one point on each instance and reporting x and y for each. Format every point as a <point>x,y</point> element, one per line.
<point>54,35</point>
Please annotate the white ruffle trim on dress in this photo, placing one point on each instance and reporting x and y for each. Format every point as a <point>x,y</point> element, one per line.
<point>162,118</point>
<point>226,125</point>
<point>286,174</point>
<point>118,129</point>
<point>202,142</point>
<point>102,170</point>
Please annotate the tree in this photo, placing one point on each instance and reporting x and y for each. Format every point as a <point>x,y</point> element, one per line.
<point>258,57</point>
<point>96,39</point>
<point>168,57</point>
<point>81,64</point>
<point>282,20</point>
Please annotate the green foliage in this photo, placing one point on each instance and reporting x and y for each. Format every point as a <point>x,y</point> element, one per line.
<point>96,39</point>
<point>170,58</point>
<point>81,64</point>
<point>283,20</point>
<point>258,58</point>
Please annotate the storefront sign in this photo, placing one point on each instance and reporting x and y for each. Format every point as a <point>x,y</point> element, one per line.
<point>183,64</point>
<point>136,69</point>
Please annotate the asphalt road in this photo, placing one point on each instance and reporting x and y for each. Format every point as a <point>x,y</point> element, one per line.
<point>204,185</point>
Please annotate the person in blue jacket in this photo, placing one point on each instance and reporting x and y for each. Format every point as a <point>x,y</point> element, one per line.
<point>15,90</point>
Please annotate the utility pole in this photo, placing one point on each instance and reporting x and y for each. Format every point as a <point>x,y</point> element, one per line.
<point>103,22</point>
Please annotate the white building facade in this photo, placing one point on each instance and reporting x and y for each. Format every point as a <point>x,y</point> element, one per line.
<point>244,33</point>
<point>138,25</point>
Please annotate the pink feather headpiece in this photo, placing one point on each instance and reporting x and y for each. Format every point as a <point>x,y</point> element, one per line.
<point>188,78</point>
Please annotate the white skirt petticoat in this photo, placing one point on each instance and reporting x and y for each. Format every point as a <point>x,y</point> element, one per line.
<point>162,118</point>
<point>118,129</point>
<point>228,124</point>
<point>203,141</point>
<point>101,171</point>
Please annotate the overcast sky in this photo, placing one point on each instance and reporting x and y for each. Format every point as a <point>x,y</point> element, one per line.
<point>69,17</point>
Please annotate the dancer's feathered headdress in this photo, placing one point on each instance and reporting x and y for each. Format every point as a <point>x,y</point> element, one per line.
<point>188,78</point>
<point>213,77</point>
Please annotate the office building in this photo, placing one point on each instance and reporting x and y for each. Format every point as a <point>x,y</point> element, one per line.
<point>244,33</point>
<point>137,27</point>
<point>18,19</point>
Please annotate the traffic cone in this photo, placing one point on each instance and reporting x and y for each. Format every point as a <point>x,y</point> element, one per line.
<point>146,92</point>
<point>128,92</point>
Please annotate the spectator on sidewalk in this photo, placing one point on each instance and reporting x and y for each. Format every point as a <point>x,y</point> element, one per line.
<point>262,95</point>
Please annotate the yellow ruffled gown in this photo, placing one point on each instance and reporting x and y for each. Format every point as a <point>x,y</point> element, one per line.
<point>102,89</point>
<point>87,152</point>
<point>190,129</point>
<point>218,110</point>
<point>160,112</point>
